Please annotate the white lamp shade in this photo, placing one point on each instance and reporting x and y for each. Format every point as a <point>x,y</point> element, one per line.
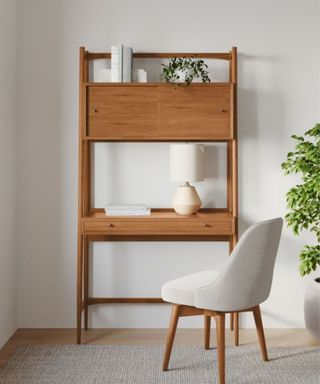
<point>186,162</point>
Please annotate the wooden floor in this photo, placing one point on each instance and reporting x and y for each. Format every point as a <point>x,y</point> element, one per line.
<point>274,337</point>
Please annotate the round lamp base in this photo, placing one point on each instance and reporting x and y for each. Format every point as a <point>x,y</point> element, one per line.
<point>186,200</point>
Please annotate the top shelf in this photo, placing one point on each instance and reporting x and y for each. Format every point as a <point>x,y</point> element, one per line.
<point>163,55</point>
<point>158,111</point>
<point>154,84</point>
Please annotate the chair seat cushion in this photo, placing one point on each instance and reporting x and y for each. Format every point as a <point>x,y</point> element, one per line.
<point>181,290</point>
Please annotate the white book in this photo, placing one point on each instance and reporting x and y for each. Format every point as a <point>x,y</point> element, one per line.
<point>116,63</point>
<point>145,212</point>
<point>128,207</point>
<point>126,64</point>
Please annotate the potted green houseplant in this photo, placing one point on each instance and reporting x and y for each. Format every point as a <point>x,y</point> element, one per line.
<point>181,70</point>
<point>304,214</point>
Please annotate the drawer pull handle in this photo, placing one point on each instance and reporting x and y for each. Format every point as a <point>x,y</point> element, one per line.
<point>222,110</point>
<point>94,110</point>
<point>110,225</point>
<point>206,225</point>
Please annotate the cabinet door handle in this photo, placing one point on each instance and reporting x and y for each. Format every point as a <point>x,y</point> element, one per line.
<point>206,225</point>
<point>109,225</point>
<point>222,110</point>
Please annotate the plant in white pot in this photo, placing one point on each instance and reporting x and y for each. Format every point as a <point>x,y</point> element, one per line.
<point>184,70</point>
<point>304,214</point>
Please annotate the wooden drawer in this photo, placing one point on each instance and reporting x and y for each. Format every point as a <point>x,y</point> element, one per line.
<point>201,111</point>
<point>151,227</point>
<point>122,111</point>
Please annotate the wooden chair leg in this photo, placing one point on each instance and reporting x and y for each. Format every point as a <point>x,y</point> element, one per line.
<point>220,329</point>
<point>260,331</point>
<point>170,336</point>
<point>207,328</point>
<point>231,322</point>
<point>236,328</point>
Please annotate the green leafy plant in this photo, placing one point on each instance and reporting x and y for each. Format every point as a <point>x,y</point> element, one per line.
<point>192,68</point>
<point>304,199</point>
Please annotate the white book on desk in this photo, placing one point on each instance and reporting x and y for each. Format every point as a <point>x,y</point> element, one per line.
<point>128,207</point>
<point>145,212</point>
<point>116,63</point>
<point>127,210</point>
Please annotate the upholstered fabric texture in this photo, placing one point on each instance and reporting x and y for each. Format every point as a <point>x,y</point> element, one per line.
<point>245,279</point>
<point>182,290</point>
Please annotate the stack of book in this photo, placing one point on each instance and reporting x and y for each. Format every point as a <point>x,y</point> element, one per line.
<point>127,210</point>
<point>121,64</point>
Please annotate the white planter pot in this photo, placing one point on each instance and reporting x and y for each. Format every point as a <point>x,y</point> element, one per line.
<point>312,308</point>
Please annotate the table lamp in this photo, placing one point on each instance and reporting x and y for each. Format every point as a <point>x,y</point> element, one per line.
<point>186,165</point>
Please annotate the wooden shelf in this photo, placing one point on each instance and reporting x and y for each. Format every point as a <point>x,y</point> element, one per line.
<point>163,55</point>
<point>162,139</point>
<point>156,84</point>
<point>215,214</point>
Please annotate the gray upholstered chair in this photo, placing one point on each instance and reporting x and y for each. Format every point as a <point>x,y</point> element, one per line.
<point>243,283</point>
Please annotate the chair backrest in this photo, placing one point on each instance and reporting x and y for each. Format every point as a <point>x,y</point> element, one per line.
<point>245,279</point>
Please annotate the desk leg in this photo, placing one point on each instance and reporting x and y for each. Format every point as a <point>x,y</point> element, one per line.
<point>85,279</point>
<point>231,314</point>
<point>79,286</point>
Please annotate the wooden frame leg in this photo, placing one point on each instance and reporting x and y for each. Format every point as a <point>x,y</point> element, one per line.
<point>260,332</point>
<point>236,328</point>
<point>86,280</point>
<point>220,329</point>
<point>207,328</point>
<point>171,334</point>
<point>79,286</point>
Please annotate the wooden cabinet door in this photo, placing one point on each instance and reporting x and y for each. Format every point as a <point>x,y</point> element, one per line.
<point>198,111</point>
<point>119,111</point>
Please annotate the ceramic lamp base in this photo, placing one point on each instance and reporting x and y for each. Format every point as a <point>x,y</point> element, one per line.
<point>186,200</point>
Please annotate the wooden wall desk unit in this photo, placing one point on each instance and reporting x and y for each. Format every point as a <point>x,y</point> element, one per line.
<point>153,112</point>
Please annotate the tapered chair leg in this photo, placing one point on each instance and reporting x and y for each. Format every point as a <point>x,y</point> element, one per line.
<point>236,328</point>
<point>207,328</point>
<point>220,329</point>
<point>170,336</point>
<point>231,322</point>
<point>260,331</point>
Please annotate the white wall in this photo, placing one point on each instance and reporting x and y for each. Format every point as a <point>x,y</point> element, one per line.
<point>8,169</point>
<point>278,95</point>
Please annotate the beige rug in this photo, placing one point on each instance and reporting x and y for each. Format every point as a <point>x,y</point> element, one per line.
<point>115,364</point>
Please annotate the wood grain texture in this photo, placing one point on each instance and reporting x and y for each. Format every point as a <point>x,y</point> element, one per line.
<point>152,227</point>
<point>162,55</point>
<point>122,111</point>
<point>160,222</point>
<point>220,331</point>
<point>125,300</point>
<point>160,112</point>
<point>175,314</point>
<point>260,332</point>
<point>195,111</point>
<point>207,329</point>
<point>236,328</point>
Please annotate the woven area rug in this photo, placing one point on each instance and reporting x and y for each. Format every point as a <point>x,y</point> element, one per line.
<point>117,364</point>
